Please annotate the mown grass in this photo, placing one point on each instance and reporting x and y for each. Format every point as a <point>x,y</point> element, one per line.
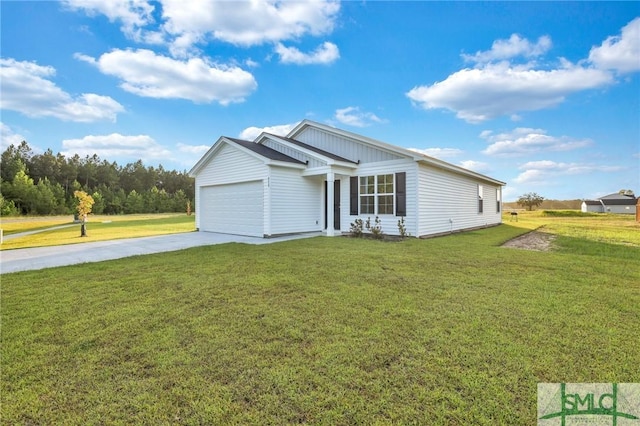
<point>100,228</point>
<point>452,330</point>
<point>612,229</point>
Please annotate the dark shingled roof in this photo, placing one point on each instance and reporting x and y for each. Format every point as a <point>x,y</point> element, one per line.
<point>314,149</point>
<point>265,151</point>
<point>619,200</point>
<point>614,200</point>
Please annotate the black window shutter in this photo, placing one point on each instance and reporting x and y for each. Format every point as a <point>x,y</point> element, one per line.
<point>353,198</point>
<point>401,194</point>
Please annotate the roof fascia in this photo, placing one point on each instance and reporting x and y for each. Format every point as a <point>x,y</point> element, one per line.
<point>300,166</point>
<point>322,170</point>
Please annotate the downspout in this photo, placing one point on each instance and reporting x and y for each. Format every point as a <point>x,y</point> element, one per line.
<point>604,208</point>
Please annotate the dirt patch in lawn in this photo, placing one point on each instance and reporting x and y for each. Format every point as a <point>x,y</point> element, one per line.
<point>534,240</point>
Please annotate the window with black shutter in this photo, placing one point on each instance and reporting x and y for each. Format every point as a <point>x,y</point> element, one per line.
<point>353,196</point>
<point>376,195</point>
<point>401,194</point>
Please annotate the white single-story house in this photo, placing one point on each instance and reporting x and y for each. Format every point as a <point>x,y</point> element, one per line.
<point>319,178</point>
<point>612,203</point>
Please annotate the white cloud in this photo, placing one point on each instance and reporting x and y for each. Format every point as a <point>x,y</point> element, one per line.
<point>116,145</point>
<point>9,137</point>
<point>133,14</point>
<point>251,63</point>
<point>523,141</point>
<point>251,133</point>
<point>184,24</point>
<point>548,172</point>
<point>352,116</point>
<point>498,85</point>
<point>476,95</point>
<point>438,152</point>
<point>145,73</point>
<point>477,166</point>
<point>193,149</point>
<point>246,23</point>
<point>513,47</point>
<point>326,53</point>
<point>28,89</point>
<point>620,53</point>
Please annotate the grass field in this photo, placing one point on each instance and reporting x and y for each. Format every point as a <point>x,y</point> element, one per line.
<point>14,225</point>
<point>451,330</point>
<point>99,228</point>
<point>578,231</point>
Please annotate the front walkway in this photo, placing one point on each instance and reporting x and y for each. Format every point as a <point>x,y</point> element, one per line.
<point>47,257</point>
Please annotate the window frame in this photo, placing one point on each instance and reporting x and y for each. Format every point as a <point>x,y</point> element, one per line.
<point>381,182</point>
<point>480,199</point>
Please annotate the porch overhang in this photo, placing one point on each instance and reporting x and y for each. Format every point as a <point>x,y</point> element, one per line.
<point>347,169</point>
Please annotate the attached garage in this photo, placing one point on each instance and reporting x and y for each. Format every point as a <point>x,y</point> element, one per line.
<point>236,208</point>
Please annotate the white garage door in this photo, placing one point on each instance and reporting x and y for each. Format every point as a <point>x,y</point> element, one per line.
<point>233,209</point>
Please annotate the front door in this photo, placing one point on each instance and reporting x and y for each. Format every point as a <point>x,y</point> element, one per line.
<point>336,204</point>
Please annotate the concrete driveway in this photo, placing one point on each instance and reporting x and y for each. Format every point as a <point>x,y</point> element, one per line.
<point>47,257</point>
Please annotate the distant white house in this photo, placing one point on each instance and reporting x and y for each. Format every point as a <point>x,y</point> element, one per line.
<point>319,178</point>
<point>612,203</point>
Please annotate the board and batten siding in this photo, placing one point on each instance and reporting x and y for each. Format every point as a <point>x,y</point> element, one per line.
<point>296,203</point>
<point>389,222</point>
<point>343,147</point>
<point>229,165</point>
<point>448,202</point>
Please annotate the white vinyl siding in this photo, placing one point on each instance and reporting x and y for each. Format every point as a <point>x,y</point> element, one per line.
<point>296,202</point>
<point>449,202</point>
<point>229,165</point>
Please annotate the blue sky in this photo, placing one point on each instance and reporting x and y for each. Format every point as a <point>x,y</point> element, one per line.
<point>542,95</point>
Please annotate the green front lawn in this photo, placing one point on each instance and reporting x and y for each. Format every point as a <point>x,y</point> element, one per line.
<point>451,330</point>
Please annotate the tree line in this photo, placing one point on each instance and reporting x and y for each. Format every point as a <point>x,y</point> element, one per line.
<point>44,184</point>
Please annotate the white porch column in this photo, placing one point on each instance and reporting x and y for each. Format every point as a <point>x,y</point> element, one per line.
<point>330,202</point>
